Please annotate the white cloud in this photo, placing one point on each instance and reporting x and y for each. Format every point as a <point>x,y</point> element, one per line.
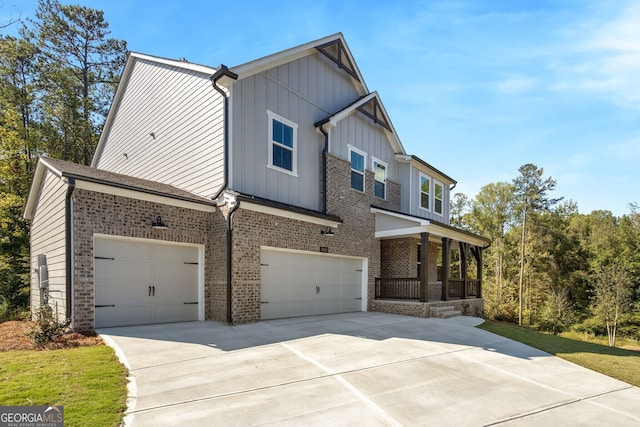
<point>515,85</point>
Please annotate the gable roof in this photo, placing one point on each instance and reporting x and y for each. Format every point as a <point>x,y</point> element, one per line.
<point>101,177</point>
<point>333,47</point>
<point>371,106</point>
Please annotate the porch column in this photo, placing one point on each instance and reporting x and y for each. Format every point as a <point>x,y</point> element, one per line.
<point>446,267</point>
<point>463,269</point>
<point>479,271</point>
<point>424,262</point>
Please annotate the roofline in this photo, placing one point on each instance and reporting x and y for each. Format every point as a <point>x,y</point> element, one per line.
<point>336,117</point>
<point>426,222</point>
<point>413,158</point>
<point>39,173</point>
<point>284,206</point>
<point>266,62</point>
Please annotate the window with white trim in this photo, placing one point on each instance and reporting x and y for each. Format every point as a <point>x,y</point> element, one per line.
<point>425,192</point>
<point>357,159</point>
<point>283,144</point>
<point>438,197</point>
<point>380,176</point>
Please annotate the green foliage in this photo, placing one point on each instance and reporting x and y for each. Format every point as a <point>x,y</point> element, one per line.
<point>47,327</point>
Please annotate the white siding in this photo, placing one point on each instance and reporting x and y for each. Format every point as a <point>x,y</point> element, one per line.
<point>48,238</point>
<point>415,198</point>
<point>303,91</point>
<point>361,132</point>
<point>184,113</point>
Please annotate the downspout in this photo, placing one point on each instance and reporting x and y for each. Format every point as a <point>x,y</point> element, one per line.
<point>320,126</point>
<point>221,72</point>
<point>230,261</point>
<point>68,236</point>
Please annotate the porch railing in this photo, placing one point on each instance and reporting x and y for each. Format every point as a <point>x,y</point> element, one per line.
<point>456,288</point>
<point>398,288</point>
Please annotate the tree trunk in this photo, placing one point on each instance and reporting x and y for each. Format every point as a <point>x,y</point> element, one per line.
<point>524,224</point>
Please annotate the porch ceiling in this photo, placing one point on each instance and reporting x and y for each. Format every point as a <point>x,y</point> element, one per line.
<point>393,225</point>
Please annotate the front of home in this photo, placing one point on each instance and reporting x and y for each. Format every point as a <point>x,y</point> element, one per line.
<point>276,188</point>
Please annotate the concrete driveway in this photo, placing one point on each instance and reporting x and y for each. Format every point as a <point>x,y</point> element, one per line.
<point>360,369</point>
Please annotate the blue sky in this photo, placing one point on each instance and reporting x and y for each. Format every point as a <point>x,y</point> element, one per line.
<point>476,88</point>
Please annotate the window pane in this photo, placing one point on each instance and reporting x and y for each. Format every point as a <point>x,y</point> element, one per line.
<point>379,189</point>
<point>438,191</point>
<point>277,131</point>
<point>424,200</point>
<point>287,139</point>
<point>357,181</point>
<point>357,161</point>
<point>438,205</point>
<point>380,172</point>
<point>424,185</point>
<point>282,157</point>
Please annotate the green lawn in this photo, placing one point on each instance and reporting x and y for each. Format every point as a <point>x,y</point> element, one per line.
<point>89,382</point>
<point>614,362</point>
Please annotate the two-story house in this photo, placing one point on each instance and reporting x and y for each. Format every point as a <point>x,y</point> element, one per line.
<point>275,188</point>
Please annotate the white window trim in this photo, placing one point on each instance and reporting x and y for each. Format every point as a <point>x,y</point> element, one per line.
<point>294,155</point>
<point>420,176</point>
<point>375,160</point>
<point>434,197</point>
<point>364,172</point>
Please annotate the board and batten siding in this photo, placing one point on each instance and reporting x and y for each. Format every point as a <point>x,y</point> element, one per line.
<point>362,133</point>
<point>303,91</point>
<point>414,197</point>
<point>48,238</point>
<point>168,127</point>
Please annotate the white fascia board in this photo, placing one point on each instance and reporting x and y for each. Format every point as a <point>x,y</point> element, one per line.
<point>399,232</point>
<point>34,189</point>
<point>198,68</point>
<point>140,195</point>
<point>455,235</point>
<point>256,207</point>
<point>419,221</point>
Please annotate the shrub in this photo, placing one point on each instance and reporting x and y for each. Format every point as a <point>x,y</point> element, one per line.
<point>47,327</point>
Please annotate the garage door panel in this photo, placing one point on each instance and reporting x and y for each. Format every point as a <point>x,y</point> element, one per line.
<point>119,271</point>
<point>124,315</point>
<point>146,282</point>
<point>303,284</point>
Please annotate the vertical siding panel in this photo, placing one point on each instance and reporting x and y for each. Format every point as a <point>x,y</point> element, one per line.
<point>48,238</point>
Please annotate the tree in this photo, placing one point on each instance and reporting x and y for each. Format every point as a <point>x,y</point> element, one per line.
<point>531,191</point>
<point>79,68</point>
<point>612,295</point>
<point>492,215</point>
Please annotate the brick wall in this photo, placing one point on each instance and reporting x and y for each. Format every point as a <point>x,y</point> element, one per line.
<point>121,216</point>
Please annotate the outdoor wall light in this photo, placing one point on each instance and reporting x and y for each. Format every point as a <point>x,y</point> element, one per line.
<point>328,232</point>
<point>158,224</point>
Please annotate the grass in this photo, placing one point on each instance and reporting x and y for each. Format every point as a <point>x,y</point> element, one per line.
<point>88,381</point>
<point>623,365</point>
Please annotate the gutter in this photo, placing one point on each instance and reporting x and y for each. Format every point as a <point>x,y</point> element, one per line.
<point>68,220</point>
<point>320,126</point>
<point>230,261</point>
<point>222,72</point>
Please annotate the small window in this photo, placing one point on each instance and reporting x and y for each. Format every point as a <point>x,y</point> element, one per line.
<point>282,144</point>
<point>425,192</point>
<point>357,168</point>
<point>380,174</point>
<point>438,191</point>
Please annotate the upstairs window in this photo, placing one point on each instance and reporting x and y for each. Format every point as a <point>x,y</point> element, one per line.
<point>357,158</point>
<point>425,192</point>
<point>438,193</point>
<point>380,174</point>
<point>283,135</point>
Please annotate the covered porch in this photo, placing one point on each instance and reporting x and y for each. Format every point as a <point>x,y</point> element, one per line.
<point>427,262</point>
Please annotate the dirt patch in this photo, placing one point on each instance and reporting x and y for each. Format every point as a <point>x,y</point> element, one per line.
<point>635,348</point>
<point>13,336</point>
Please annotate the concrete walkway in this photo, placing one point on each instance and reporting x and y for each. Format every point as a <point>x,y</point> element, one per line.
<point>360,369</point>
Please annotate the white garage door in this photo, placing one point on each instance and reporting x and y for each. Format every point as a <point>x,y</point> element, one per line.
<point>305,284</point>
<point>139,282</point>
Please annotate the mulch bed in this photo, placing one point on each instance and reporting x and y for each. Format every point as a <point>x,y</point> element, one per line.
<point>13,336</point>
